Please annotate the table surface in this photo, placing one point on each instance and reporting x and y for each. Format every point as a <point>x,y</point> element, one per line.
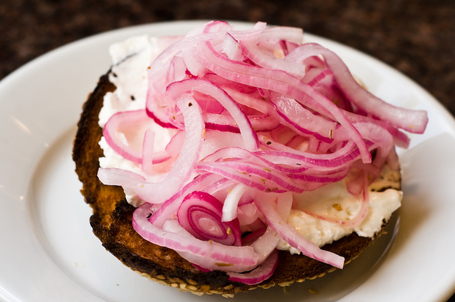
<point>414,37</point>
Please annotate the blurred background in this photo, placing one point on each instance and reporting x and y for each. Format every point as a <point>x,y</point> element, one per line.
<point>414,37</point>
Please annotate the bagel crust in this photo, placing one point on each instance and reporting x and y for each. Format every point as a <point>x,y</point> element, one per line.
<point>112,224</point>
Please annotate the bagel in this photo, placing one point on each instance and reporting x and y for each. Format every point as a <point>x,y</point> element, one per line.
<point>112,219</point>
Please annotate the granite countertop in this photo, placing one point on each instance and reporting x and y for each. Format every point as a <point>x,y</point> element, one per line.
<point>415,37</point>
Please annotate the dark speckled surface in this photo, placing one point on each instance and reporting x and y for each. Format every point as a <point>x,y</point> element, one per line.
<point>415,37</point>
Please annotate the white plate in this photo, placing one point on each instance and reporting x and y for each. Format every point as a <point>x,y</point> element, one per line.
<point>48,250</point>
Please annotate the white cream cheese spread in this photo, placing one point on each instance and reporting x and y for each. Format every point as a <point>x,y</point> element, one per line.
<point>333,200</point>
<point>129,74</point>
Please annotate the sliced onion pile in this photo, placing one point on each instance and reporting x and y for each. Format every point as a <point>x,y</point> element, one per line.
<point>254,117</point>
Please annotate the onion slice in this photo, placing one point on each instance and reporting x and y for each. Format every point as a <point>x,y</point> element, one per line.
<point>261,273</point>
<point>291,236</point>
<point>161,191</point>
<point>200,214</point>
<point>123,129</point>
<point>247,131</point>
<point>411,120</point>
<point>232,201</point>
<point>281,82</point>
<point>208,254</point>
<point>250,118</point>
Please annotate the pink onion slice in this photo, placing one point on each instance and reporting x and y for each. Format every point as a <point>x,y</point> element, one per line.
<point>253,176</point>
<point>280,82</point>
<point>302,120</point>
<point>249,99</point>
<point>259,158</point>
<point>161,191</point>
<point>270,60</point>
<point>119,177</point>
<point>216,26</point>
<point>266,243</point>
<point>284,205</point>
<point>259,274</point>
<point>248,133</point>
<point>410,120</point>
<point>208,254</point>
<point>293,237</point>
<point>360,190</point>
<point>160,65</point>
<point>194,67</point>
<point>232,48</point>
<point>170,207</point>
<point>248,214</point>
<point>342,156</point>
<point>200,214</point>
<point>124,132</point>
<point>147,152</point>
<point>231,202</point>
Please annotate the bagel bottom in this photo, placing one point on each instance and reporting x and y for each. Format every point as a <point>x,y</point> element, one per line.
<point>112,224</point>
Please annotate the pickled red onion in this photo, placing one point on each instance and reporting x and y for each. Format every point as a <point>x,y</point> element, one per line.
<point>268,116</point>
<point>208,254</point>
<point>200,214</point>
<point>231,202</point>
<point>409,120</point>
<point>294,238</point>
<point>121,130</point>
<point>259,274</point>
<point>248,134</point>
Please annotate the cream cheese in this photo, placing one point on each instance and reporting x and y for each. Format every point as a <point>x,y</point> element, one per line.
<point>130,77</point>
<point>333,200</point>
